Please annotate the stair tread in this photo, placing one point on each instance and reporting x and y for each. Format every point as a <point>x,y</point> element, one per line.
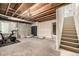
<point>68,38</point>
<point>69,30</point>
<point>69,47</point>
<point>69,42</point>
<point>69,23</point>
<point>70,34</point>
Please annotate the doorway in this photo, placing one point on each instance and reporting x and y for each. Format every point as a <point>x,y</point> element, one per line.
<point>34,30</point>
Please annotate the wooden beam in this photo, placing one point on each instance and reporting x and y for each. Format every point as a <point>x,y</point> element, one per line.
<point>45,13</point>
<point>44,18</point>
<point>47,16</point>
<point>49,8</point>
<point>4,19</point>
<point>16,6</point>
<point>17,9</point>
<point>8,8</point>
<point>27,10</point>
<point>47,19</point>
<point>42,9</point>
<point>54,7</point>
<point>34,8</point>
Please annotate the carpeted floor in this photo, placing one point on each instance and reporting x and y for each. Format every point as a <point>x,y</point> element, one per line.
<point>30,47</point>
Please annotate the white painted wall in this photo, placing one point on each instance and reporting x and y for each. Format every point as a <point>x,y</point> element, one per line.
<point>59,25</point>
<point>44,29</point>
<point>76,18</point>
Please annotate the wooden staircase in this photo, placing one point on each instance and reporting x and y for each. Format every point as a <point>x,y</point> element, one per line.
<point>69,40</point>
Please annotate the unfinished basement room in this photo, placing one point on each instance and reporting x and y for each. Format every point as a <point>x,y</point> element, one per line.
<point>39,29</point>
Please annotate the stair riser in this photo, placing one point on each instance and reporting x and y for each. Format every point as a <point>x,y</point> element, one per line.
<point>76,41</point>
<point>70,44</point>
<point>73,50</point>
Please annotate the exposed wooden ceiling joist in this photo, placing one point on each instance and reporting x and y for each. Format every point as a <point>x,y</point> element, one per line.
<point>15,5</point>
<point>53,14</point>
<point>49,8</point>
<point>44,7</point>
<point>55,7</point>
<point>38,11</point>
<point>17,9</point>
<point>37,6</point>
<point>34,8</point>
<point>3,7</point>
<point>12,8</point>
<point>45,13</point>
<point>46,19</point>
<point>8,8</point>
<point>47,16</point>
<point>24,7</point>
